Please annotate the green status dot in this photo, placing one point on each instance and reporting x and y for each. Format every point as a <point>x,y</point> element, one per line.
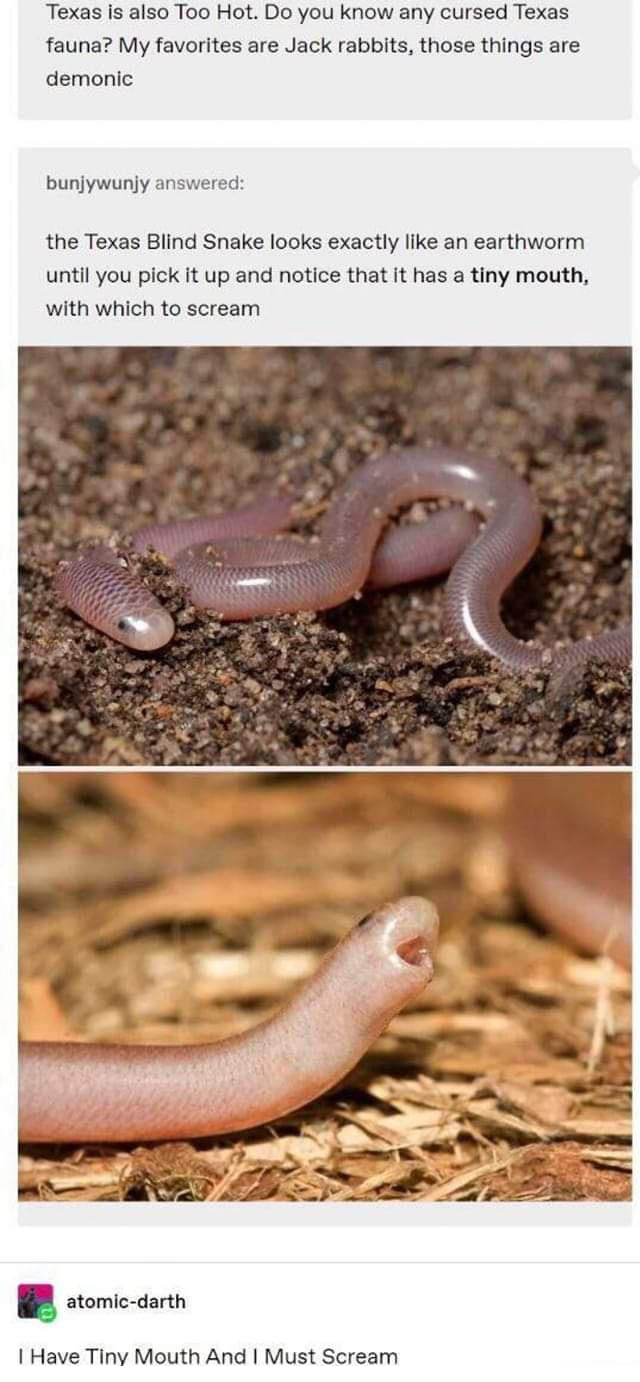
<point>47,1312</point>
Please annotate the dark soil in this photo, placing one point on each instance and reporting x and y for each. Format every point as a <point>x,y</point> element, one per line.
<point>114,438</point>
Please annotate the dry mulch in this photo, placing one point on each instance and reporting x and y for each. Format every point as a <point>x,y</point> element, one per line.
<point>112,438</point>
<point>185,908</point>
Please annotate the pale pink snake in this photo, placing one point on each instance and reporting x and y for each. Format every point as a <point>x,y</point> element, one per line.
<point>236,566</point>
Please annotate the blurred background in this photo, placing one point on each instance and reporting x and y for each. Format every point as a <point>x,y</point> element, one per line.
<point>187,906</point>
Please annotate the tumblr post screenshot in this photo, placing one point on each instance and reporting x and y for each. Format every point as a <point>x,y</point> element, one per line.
<point>316,969</point>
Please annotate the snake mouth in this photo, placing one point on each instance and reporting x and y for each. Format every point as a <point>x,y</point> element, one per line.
<point>413,935</point>
<point>414,951</point>
<point>407,933</point>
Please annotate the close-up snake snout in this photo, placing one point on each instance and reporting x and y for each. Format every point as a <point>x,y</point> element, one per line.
<point>408,931</point>
<point>73,1091</point>
<point>381,986</point>
<point>113,600</point>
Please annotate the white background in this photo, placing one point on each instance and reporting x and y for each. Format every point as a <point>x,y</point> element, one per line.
<point>600,1299</point>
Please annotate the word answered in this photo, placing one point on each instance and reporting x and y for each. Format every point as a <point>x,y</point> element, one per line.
<point>331,247</point>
